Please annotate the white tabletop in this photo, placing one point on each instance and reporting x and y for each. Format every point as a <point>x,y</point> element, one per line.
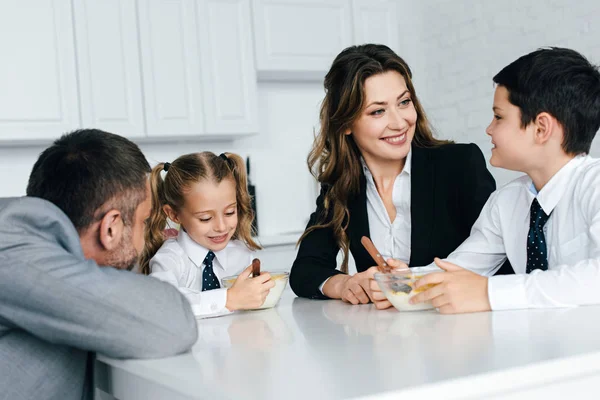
<point>305,349</point>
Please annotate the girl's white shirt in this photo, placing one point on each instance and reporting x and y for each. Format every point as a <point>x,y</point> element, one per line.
<point>179,262</point>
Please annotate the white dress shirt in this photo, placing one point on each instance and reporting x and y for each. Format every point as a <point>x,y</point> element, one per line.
<point>180,262</point>
<point>572,233</point>
<point>392,239</point>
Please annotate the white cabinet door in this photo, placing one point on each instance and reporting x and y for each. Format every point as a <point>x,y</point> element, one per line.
<point>171,67</point>
<point>299,40</point>
<point>376,21</point>
<point>228,72</point>
<point>109,66</point>
<point>38,89</point>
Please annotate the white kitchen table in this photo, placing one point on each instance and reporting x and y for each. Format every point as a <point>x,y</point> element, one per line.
<point>311,349</point>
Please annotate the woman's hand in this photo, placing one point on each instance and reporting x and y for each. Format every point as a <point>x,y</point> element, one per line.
<point>354,289</point>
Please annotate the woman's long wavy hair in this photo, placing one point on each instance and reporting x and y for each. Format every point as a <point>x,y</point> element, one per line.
<point>334,159</point>
<point>184,172</point>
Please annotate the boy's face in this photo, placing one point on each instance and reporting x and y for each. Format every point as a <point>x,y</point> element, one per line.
<point>512,145</point>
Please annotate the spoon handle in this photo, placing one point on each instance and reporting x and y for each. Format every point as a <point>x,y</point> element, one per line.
<point>381,264</point>
<point>255,267</point>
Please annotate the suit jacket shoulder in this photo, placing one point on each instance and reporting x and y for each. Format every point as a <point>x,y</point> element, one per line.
<point>33,220</point>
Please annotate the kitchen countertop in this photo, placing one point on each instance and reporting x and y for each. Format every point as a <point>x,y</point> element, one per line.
<point>305,349</point>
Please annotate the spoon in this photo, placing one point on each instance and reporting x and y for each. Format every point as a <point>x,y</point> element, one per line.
<point>255,267</point>
<point>382,266</point>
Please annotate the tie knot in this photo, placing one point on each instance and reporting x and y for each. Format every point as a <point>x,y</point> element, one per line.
<point>209,258</point>
<point>538,216</point>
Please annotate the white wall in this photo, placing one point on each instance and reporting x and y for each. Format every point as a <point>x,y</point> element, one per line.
<point>288,114</point>
<point>464,43</point>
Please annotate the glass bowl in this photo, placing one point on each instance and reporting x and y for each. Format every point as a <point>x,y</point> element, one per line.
<point>398,286</point>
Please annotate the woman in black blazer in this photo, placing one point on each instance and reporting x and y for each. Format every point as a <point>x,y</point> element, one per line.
<point>371,119</point>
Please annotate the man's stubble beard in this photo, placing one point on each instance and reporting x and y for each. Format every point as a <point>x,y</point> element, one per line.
<point>125,256</point>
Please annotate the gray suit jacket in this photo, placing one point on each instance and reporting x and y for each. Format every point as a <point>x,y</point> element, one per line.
<point>57,308</point>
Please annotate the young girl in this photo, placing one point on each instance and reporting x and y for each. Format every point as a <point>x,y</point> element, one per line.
<point>207,195</point>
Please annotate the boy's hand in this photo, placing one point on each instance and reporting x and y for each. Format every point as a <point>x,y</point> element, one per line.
<point>456,290</point>
<point>381,302</point>
<point>248,293</point>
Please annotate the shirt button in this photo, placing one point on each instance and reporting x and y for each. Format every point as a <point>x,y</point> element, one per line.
<point>213,307</point>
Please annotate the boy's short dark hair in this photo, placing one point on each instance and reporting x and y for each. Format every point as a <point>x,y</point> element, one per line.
<point>88,172</point>
<point>562,83</point>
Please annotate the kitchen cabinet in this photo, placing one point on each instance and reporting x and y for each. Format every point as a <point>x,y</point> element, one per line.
<point>145,69</point>
<point>109,66</point>
<point>298,40</point>
<point>38,95</point>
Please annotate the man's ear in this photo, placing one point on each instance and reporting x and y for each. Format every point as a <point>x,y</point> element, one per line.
<point>171,213</point>
<point>544,126</point>
<point>111,230</point>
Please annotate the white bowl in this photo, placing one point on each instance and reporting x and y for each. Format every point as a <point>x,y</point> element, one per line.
<point>280,279</point>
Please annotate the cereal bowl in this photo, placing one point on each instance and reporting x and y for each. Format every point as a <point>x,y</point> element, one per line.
<point>398,286</point>
<point>280,279</point>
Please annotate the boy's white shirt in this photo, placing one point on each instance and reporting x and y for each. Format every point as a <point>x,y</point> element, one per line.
<point>179,262</point>
<point>572,199</point>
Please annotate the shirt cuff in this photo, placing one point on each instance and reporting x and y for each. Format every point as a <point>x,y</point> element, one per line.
<point>507,292</point>
<point>212,303</point>
<point>323,285</point>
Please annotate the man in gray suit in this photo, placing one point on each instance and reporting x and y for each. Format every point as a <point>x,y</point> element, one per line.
<point>87,202</point>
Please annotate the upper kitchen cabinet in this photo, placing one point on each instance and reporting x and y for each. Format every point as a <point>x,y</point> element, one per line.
<point>109,66</point>
<point>228,71</point>
<point>153,69</point>
<point>376,21</point>
<point>299,39</point>
<point>171,67</point>
<point>38,95</point>
<point>198,67</point>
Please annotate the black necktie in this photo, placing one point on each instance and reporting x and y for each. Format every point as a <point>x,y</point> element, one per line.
<point>209,279</point>
<point>537,254</point>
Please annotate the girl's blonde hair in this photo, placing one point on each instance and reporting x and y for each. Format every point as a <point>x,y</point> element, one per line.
<point>181,174</point>
<point>334,159</point>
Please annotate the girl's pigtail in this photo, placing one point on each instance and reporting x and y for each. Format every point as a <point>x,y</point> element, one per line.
<point>244,208</point>
<point>157,221</point>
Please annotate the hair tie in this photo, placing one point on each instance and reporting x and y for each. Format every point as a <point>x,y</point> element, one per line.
<point>166,166</point>
<point>229,161</point>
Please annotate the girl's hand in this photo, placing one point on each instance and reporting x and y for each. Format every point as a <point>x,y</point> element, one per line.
<point>248,293</point>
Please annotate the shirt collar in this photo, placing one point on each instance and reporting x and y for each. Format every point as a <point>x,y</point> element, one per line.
<point>406,169</point>
<point>197,253</point>
<point>553,191</point>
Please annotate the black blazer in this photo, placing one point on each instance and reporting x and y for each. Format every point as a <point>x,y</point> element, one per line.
<point>449,186</point>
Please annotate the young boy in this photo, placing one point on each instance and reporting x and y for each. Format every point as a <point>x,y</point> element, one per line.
<point>546,114</point>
